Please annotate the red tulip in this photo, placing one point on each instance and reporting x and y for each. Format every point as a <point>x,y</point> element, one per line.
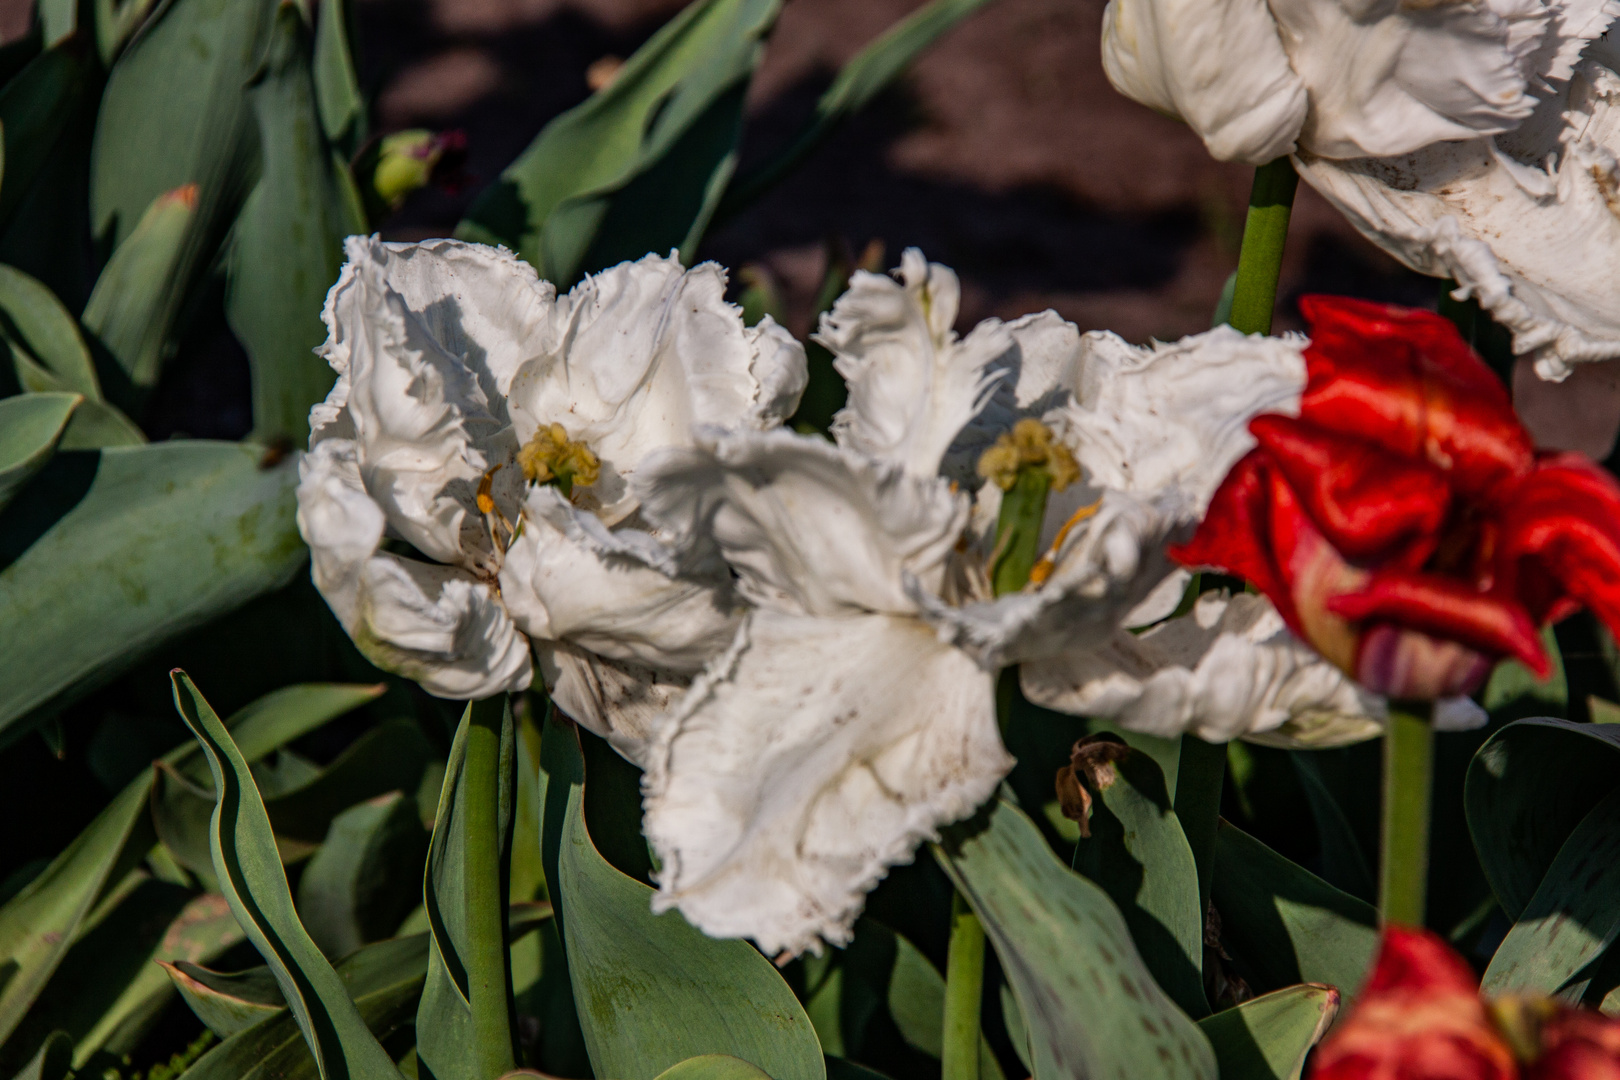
<point>1403,522</point>
<point>1576,1044</point>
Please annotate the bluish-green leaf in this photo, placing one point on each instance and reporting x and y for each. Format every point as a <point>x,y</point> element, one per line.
<point>1269,1037</point>
<point>641,165</point>
<point>1514,691</point>
<point>1343,863</point>
<point>36,320</point>
<point>53,1061</point>
<point>1068,956</point>
<point>714,1067</point>
<point>249,870</point>
<point>30,427</point>
<point>361,883</point>
<point>651,990</point>
<point>35,109</point>
<point>337,88</point>
<point>108,554</point>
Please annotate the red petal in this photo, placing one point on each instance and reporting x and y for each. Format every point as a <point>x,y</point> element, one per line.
<point>1406,379</point>
<point>1414,959</point>
<point>1449,609</point>
<point>1563,522</point>
<point>1364,499</point>
<point>1235,535</point>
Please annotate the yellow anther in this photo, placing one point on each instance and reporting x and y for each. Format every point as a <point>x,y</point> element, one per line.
<point>486,504</point>
<point>1030,444</point>
<point>1047,563</point>
<point>552,457</point>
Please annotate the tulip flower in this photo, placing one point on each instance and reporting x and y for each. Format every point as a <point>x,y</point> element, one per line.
<point>1420,1017</point>
<point>467,493</point>
<point>854,712</point>
<point>1402,522</point>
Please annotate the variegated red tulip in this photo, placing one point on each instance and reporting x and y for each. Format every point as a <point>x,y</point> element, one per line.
<point>1403,522</point>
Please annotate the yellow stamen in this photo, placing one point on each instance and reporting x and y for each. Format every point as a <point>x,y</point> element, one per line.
<point>486,504</point>
<point>1048,562</point>
<point>1030,444</point>
<point>552,457</point>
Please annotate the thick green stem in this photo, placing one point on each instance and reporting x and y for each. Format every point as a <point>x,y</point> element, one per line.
<point>1265,232</point>
<point>487,976</point>
<point>1408,782</point>
<point>964,990</point>
<point>1200,775</point>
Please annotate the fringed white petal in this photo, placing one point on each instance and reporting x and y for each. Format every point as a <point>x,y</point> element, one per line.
<point>806,526</point>
<point>636,357</point>
<point>912,384</point>
<point>1229,669</point>
<point>816,754</point>
<point>625,703</point>
<point>1218,64</point>
<point>1539,249</point>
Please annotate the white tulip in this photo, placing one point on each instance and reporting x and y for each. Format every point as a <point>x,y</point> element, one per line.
<point>457,371</point>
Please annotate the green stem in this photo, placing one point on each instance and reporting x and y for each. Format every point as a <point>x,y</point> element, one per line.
<point>964,990</point>
<point>1408,783</point>
<point>1265,231</point>
<point>1018,530</point>
<point>1200,775</point>
<point>487,975</point>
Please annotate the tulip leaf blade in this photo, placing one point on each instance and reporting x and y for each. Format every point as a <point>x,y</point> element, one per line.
<point>1068,956</point>
<point>126,547</point>
<point>53,1060</point>
<point>640,165</point>
<point>359,885</point>
<point>714,1067</point>
<point>36,111</point>
<point>249,870</point>
<point>1284,925</point>
<point>651,990</point>
<point>31,426</point>
<point>1270,1036</point>
<point>337,87</point>
<point>36,321</point>
<point>227,1002</point>
<point>1527,789</point>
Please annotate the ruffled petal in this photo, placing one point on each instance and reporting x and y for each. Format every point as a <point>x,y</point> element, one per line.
<point>1218,65</point>
<point>566,578</point>
<point>1564,520</point>
<point>1228,669</point>
<point>637,357</point>
<point>815,755</point>
<point>1446,608</point>
<point>625,703</point>
<point>808,527</point>
<point>1538,246</point>
<point>912,385</point>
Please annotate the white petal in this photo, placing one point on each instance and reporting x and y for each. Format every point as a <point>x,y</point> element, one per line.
<point>912,384</point>
<point>567,578</point>
<point>1218,64</point>
<point>638,356</point>
<point>1458,714</point>
<point>1228,669</point>
<point>1540,250</point>
<point>807,526</point>
<point>624,703</point>
<point>438,625</point>
<point>814,756</point>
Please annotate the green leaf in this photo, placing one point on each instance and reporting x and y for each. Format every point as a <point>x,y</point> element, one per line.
<point>462,1021</point>
<point>337,88</point>
<point>135,302</point>
<point>35,111</point>
<point>1283,924</point>
<point>362,882</point>
<point>1139,855</point>
<point>714,1067</point>
<point>54,1061</point>
<point>108,554</point>
<point>30,428</point>
<point>249,870</point>
<point>1068,957</point>
<point>1268,1037</point>
<point>1528,788</point>
<point>1343,863</point>
<point>95,424</point>
<point>36,321</point>
<point>287,247</point>
<point>862,79</point>
<point>651,990</point>
<point>116,23</point>
<point>640,166</point>
<point>1514,691</point>
<point>1572,917</point>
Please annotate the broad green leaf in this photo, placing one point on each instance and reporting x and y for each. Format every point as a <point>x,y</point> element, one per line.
<point>135,302</point>
<point>1268,1037</point>
<point>54,1061</point>
<point>1514,691</point>
<point>95,424</point>
<point>1139,855</point>
<point>861,80</point>
<point>1572,917</point>
<point>287,247</point>
<point>714,1067</point>
<point>279,717</point>
<point>30,427</point>
<point>1068,957</point>
<point>461,1021</point>
<point>35,111</point>
<point>1528,788</point>
<point>362,881</point>
<point>1283,924</point>
<point>110,553</point>
<point>36,320</point>
<point>1343,863</point>
<point>639,166</point>
<point>337,88</point>
<point>249,870</point>
<point>651,990</point>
